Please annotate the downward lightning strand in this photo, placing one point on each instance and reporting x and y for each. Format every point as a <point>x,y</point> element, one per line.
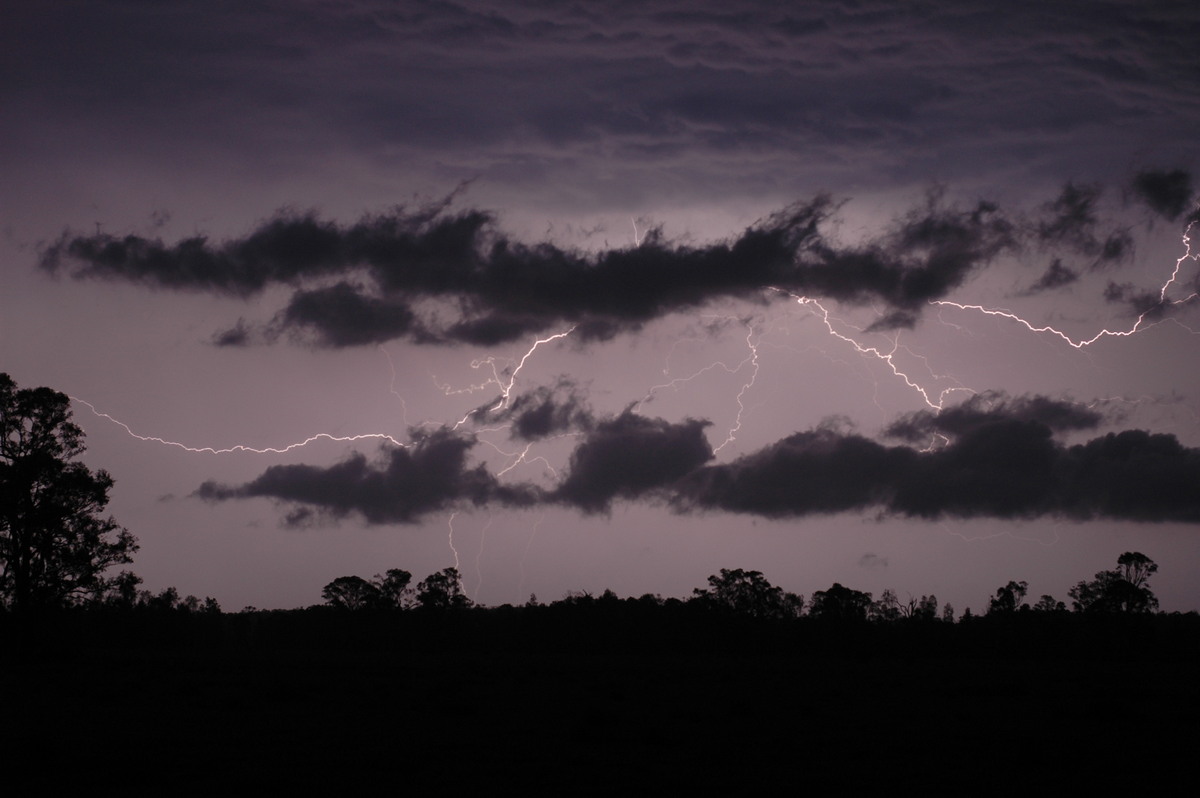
<point>887,357</point>
<point>753,359</point>
<point>450,538</point>
<point>392,384</point>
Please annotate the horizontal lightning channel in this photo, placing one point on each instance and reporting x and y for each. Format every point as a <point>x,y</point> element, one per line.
<point>320,436</point>
<point>1140,325</point>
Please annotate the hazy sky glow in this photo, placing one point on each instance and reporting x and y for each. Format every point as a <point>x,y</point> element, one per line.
<point>579,296</point>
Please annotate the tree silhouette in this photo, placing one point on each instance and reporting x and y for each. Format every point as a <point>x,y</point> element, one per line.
<point>1136,568</point>
<point>1048,603</point>
<point>887,609</point>
<point>442,590</point>
<point>749,593</point>
<point>1124,589</point>
<point>1009,598</point>
<point>54,546</point>
<point>394,590</point>
<point>840,603</point>
<point>351,593</point>
<point>922,609</point>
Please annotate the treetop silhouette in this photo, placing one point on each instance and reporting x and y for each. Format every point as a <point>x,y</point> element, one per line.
<point>54,544</point>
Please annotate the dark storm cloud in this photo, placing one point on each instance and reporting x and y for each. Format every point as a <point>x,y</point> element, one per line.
<point>1001,469</point>
<point>541,412</point>
<point>1146,304</point>
<point>1056,276</point>
<point>1071,221</point>
<point>403,485</point>
<point>1166,192</point>
<point>989,407</point>
<point>240,334</point>
<point>495,289</point>
<point>1072,216</point>
<point>821,471</point>
<point>342,315</point>
<point>631,457</point>
<point>999,459</point>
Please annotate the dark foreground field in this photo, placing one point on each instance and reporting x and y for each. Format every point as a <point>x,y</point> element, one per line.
<point>315,701</point>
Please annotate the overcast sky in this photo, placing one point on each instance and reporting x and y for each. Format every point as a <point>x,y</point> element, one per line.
<point>602,295</point>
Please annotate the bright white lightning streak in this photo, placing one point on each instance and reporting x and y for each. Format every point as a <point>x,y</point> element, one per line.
<point>450,537</point>
<point>752,359</point>
<point>320,436</point>
<point>512,379</point>
<point>490,362</point>
<point>1077,344</point>
<point>737,424</point>
<point>1104,333</point>
<point>520,457</point>
<point>392,384</point>
<point>1187,255</point>
<point>886,357</point>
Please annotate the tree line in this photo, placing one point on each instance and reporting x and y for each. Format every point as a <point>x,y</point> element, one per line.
<point>1124,589</point>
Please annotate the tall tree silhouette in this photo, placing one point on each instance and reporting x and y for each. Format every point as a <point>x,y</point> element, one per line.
<point>443,591</point>
<point>1125,589</point>
<point>54,545</point>
<point>749,593</point>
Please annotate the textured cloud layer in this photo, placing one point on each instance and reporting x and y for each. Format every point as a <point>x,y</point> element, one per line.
<point>434,275</point>
<point>998,459</point>
<point>634,98</point>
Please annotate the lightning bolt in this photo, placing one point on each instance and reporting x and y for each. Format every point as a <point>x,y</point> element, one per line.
<point>520,457</point>
<point>887,357</point>
<point>450,538</point>
<point>320,436</point>
<point>392,385</point>
<point>753,360</point>
<point>505,388</point>
<point>1140,325</point>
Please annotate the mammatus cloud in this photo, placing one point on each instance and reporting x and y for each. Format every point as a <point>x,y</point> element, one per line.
<point>998,459</point>
<point>430,275</point>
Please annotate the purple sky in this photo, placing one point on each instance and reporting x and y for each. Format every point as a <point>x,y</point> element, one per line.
<point>742,233</point>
